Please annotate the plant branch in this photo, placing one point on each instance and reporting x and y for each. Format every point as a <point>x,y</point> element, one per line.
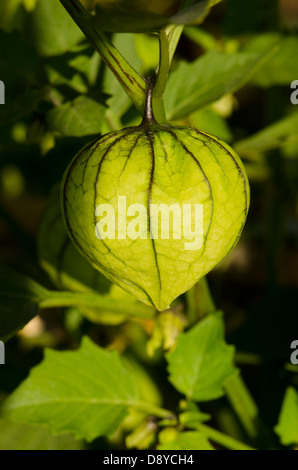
<point>226,441</point>
<point>242,402</point>
<point>200,303</point>
<point>151,409</point>
<point>133,83</point>
<point>164,65</point>
<point>174,31</point>
<point>168,41</point>
<point>89,299</point>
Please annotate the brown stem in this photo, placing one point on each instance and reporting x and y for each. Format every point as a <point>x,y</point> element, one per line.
<point>148,117</point>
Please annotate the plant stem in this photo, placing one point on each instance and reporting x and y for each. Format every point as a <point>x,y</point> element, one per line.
<point>209,304</point>
<point>217,436</point>
<point>242,402</point>
<point>174,31</point>
<point>168,41</point>
<point>89,299</point>
<point>247,358</point>
<point>133,83</point>
<point>151,409</point>
<point>199,301</point>
<point>226,441</point>
<point>162,74</point>
<point>191,306</point>
<point>238,394</point>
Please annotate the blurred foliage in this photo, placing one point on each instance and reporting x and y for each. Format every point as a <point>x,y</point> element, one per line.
<point>231,77</point>
<point>288,418</point>
<point>190,440</point>
<point>25,437</point>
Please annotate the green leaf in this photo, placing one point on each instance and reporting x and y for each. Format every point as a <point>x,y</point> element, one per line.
<point>15,436</point>
<point>192,415</point>
<point>20,104</point>
<point>202,360</point>
<point>19,297</point>
<point>195,13</point>
<point>126,21</point>
<point>148,390</point>
<point>287,427</point>
<point>80,117</point>
<point>189,440</point>
<point>50,28</point>
<point>282,68</point>
<point>195,85</point>
<point>130,18</point>
<point>86,392</point>
<point>281,134</point>
<point>11,14</point>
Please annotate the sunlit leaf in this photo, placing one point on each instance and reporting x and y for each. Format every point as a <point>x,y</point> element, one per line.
<point>281,68</point>
<point>50,28</point>
<point>85,392</point>
<point>194,85</point>
<point>202,360</point>
<point>15,436</point>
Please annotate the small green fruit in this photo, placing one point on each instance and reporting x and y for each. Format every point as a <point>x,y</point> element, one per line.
<point>150,165</point>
